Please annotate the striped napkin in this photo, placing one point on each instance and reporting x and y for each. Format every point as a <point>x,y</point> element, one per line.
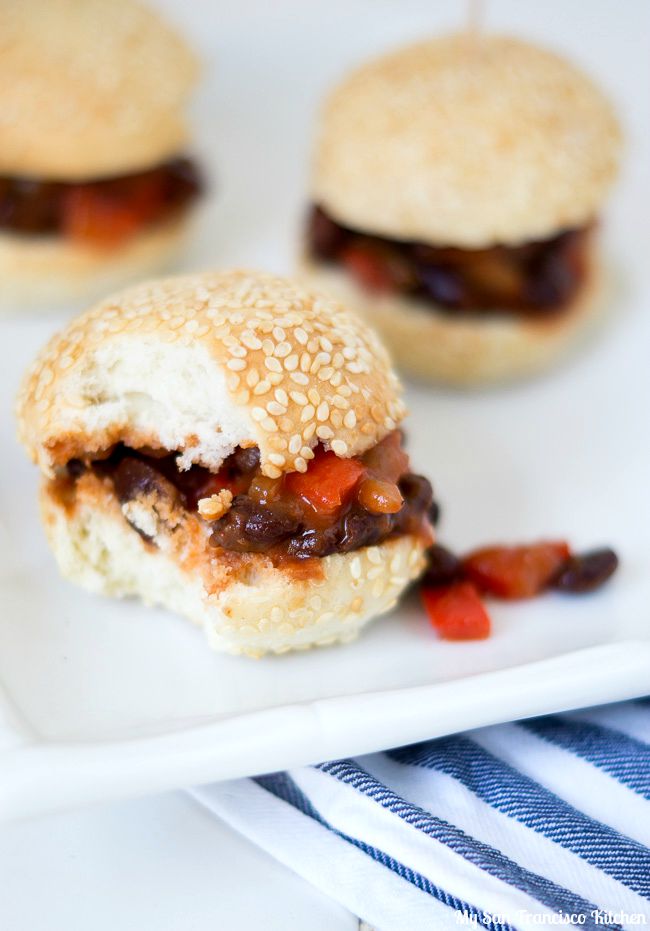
<point>517,826</point>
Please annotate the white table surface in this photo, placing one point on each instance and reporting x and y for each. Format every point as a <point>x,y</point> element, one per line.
<point>157,864</point>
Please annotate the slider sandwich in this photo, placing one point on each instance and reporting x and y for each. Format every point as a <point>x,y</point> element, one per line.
<point>228,446</point>
<point>95,179</point>
<point>457,191</point>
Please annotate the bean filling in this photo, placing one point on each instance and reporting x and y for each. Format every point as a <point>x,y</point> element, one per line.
<point>336,506</point>
<point>102,212</point>
<point>537,278</point>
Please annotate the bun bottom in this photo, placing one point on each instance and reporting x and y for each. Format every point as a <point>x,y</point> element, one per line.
<point>437,347</point>
<point>244,604</point>
<point>49,272</point>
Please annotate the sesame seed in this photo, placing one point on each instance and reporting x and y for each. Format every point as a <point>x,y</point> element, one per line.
<point>355,568</point>
<point>305,362</point>
<point>291,363</point>
<point>277,459</point>
<point>295,443</point>
<point>300,335</point>
<point>350,420</point>
<point>258,414</point>
<point>314,396</point>
<point>272,364</point>
<point>273,407</point>
<point>262,387</point>
<point>307,413</point>
<point>236,365</point>
<point>272,471</point>
<point>307,453</point>
<point>299,378</point>
<point>252,377</point>
<point>324,432</point>
<point>374,554</point>
<point>281,396</point>
<point>269,425</point>
<point>282,350</point>
<point>323,411</point>
<point>299,464</point>
<point>298,397</point>
<point>251,341</point>
<point>340,447</point>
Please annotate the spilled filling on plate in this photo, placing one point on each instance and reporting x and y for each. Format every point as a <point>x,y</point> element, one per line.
<point>535,279</point>
<point>106,212</point>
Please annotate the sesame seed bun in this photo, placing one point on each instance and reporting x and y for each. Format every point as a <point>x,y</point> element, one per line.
<point>244,605</point>
<point>201,365</point>
<point>443,347</point>
<point>466,142</point>
<point>90,88</point>
<point>205,363</point>
<point>54,272</point>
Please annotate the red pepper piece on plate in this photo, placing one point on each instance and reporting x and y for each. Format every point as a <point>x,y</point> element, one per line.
<point>457,612</point>
<point>516,571</point>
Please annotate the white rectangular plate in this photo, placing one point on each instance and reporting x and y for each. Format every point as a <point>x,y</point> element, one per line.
<point>102,699</point>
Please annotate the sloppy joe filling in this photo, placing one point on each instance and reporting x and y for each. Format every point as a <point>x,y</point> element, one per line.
<point>536,278</point>
<point>336,506</point>
<point>105,212</point>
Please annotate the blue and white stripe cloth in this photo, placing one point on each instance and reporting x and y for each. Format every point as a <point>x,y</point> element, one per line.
<point>512,827</point>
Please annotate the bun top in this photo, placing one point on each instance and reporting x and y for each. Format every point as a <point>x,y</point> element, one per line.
<point>467,142</point>
<point>89,88</point>
<point>204,363</point>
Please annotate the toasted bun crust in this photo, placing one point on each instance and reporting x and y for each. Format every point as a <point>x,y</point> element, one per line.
<point>51,272</point>
<point>437,347</point>
<point>205,363</point>
<point>244,605</point>
<point>466,142</point>
<point>89,88</point>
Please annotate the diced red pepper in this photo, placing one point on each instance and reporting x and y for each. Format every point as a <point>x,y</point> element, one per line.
<point>109,214</point>
<point>457,612</point>
<point>328,482</point>
<point>515,571</point>
<point>369,267</point>
<point>91,217</point>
